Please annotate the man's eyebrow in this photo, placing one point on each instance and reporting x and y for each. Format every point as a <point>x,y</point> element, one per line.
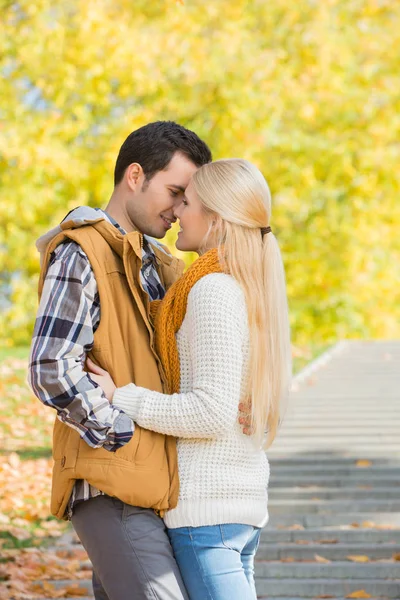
<point>180,188</point>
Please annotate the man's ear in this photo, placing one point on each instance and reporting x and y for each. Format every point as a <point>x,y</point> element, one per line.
<point>134,176</point>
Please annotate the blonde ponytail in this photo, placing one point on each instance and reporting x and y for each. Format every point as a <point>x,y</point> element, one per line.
<point>237,195</point>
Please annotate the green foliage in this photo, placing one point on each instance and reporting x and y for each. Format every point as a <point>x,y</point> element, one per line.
<point>307,90</point>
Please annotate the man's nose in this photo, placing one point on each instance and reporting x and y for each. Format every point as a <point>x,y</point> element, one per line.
<point>177,210</point>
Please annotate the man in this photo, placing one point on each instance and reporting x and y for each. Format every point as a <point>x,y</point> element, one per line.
<point>99,270</point>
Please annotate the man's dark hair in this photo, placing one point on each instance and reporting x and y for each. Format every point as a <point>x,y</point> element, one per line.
<point>154,145</point>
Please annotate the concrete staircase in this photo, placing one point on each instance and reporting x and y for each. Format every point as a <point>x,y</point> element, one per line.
<point>334,527</point>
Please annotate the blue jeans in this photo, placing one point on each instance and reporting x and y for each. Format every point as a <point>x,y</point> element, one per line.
<point>217,562</point>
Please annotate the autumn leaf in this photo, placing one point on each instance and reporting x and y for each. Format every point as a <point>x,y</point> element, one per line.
<point>76,591</point>
<point>363,463</point>
<point>359,594</point>
<point>321,559</point>
<point>18,533</point>
<point>368,524</point>
<point>358,558</point>
<point>396,556</point>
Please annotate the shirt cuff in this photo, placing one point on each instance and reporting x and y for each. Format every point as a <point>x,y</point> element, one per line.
<point>122,432</point>
<point>128,399</point>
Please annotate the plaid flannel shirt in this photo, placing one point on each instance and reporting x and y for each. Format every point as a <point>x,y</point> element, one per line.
<point>68,316</point>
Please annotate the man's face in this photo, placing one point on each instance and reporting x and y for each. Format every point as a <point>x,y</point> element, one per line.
<point>151,204</point>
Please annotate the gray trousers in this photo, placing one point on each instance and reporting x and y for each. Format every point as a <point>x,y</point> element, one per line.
<point>130,551</point>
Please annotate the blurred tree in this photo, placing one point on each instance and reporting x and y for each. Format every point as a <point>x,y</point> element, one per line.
<point>309,91</point>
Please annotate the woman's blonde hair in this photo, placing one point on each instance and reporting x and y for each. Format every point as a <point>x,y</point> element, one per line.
<point>237,197</point>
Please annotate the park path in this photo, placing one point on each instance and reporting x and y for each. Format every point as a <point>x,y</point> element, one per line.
<point>335,480</point>
<point>334,529</point>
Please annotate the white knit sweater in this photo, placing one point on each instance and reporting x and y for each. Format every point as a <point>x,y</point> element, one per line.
<point>223,475</point>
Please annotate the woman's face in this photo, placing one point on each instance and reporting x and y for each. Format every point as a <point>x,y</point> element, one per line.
<point>194,222</point>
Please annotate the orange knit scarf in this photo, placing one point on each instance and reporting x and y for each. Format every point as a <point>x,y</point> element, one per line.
<point>170,312</point>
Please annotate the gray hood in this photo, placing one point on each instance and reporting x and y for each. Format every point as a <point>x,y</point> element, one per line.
<point>83,215</point>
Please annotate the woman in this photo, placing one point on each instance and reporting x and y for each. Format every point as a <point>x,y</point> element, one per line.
<point>222,334</point>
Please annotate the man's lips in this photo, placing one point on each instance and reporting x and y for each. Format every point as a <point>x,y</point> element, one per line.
<point>167,222</point>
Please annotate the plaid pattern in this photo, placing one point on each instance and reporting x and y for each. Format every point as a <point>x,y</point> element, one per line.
<point>68,315</point>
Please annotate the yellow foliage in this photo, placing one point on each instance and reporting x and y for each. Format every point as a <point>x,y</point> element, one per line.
<point>307,90</point>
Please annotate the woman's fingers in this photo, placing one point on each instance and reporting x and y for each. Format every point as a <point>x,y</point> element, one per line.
<point>95,368</point>
<point>245,407</point>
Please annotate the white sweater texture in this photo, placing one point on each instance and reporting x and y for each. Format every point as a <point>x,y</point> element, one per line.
<point>223,474</point>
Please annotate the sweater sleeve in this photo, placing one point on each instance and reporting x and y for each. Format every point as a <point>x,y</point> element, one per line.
<point>216,319</point>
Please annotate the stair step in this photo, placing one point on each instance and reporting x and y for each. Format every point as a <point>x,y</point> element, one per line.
<point>337,519</point>
<point>312,588</point>
<point>279,449</point>
<point>335,493</point>
<point>322,461</point>
<point>334,570</point>
<point>278,507</point>
<point>332,480</point>
<point>332,551</point>
<point>343,536</point>
<point>332,469</point>
<point>291,598</point>
<point>59,584</point>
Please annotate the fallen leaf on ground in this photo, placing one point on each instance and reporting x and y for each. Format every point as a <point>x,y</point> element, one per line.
<point>75,591</point>
<point>363,463</point>
<point>359,594</point>
<point>360,558</point>
<point>288,559</point>
<point>321,559</point>
<point>396,556</point>
<point>368,524</point>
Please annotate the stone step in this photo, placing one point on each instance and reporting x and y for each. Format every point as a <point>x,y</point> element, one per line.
<point>293,598</point>
<point>322,429</point>
<point>335,404</point>
<point>359,446</point>
<point>313,588</point>
<point>344,470</point>
<point>336,519</point>
<point>343,536</point>
<point>308,550</point>
<point>334,570</point>
<point>327,460</point>
<point>332,480</point>
<point>278,507</point>
<point>278,450</point>
<point>356,473</point>
<point>335,493</point>
<point>83,584</point>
